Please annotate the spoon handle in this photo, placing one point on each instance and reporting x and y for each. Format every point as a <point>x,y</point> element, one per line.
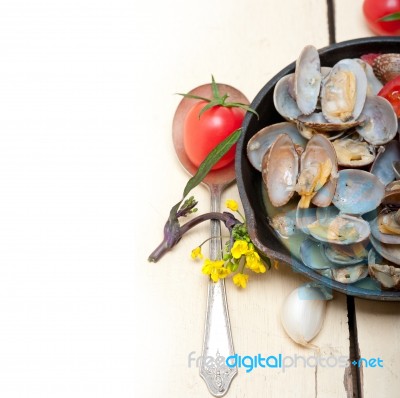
<point>217,344</point>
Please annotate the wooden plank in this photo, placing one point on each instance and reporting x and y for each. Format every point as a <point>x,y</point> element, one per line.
<point>349,20</point>
<point>243,45</point>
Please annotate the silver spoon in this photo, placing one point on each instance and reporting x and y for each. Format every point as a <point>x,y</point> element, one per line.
<point>217,344</point>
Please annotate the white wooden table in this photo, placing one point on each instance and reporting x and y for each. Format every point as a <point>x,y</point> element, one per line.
<point>88,175</point>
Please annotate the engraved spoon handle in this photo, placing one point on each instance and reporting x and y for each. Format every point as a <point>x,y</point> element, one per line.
<point>217,344</point>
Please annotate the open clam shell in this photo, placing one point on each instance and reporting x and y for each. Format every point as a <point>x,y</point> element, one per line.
<point>318,150</point>
<point>259,144</point>
<point>383,271</point>
<point>343,229</point>
<point>383,164</point>
<point>384,219</point>
<point>280,167</point>
<point>353,152</point>
<point>358,191</point>
<point>307,79</point>
<point>380,121</point>
<point>388,251</point>
<point>284,102</point>
<point>344,91</point>
<point>355,254</point>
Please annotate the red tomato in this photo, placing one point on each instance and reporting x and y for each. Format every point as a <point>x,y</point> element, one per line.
<point>391,91</point>
<point>202,135</point>
<point>375,9</point>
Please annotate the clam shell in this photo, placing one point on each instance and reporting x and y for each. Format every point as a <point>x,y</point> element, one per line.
<point>353,153</point>
<point>383,164</point>
<point>318,150</point>
<point>391,239</point>
<point>259,144</point>
<point>380,121</point>
<point>383,271</point>
<point>340,230</point>
<point>388,251</point>
<point>387,66</point>
<point>344,91</point>
<point>307,79</point>
<point>280,167</point>
<point>357,191</point>
<point>284,103</point>
<point>343,258</point>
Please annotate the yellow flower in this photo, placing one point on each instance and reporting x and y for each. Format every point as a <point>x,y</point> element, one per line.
<point>240,280</point>
<point>253,262</point>
<point>215,269</point>
<point>239,248</point>
<point>196,253</point>
<point>232,205</point>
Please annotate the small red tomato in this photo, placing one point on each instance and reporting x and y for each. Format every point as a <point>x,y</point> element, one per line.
<point>202,134</point>
<point>376,9</point>
<point>391,91</point>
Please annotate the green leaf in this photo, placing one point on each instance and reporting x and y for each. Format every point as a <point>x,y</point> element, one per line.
<point>390,17</point>
<point>212,158</point>
<point>195,97</point>
<point>214,87</point>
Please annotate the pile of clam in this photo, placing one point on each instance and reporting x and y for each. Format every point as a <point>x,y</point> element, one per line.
<point>331,168</point>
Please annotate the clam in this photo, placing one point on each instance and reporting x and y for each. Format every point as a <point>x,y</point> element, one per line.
<point>280,167</point>
<point>385,228</point>
<point>387,66</point>
<point>386,250</point>
<point>341,230</point>
<point>388,223</point>
<point>358,192</point>
<point>355,254</point>
<point>383,164</point>
<point>384,271</point>
<point>343,92</point>
<point>284,102</point>
<point>259,144</point>
<point>353,152</point>
<point>380,121</point>
<point>307,79</point>
<point>318,167</point>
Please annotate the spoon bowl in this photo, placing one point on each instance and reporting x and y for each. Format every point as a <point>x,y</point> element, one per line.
<point>224,175</point>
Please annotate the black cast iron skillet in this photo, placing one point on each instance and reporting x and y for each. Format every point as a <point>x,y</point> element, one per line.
<point>249,180</point>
